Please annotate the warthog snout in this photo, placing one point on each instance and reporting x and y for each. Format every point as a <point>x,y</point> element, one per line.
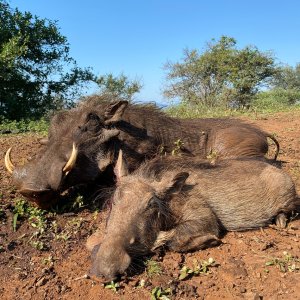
<point>41,187</point>
<point>43,198</point>
<point>110,260</point>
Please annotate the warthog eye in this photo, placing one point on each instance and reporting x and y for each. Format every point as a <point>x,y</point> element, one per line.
<point>152,203</point>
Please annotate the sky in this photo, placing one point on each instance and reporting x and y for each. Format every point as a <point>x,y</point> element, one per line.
<point>137,37</point>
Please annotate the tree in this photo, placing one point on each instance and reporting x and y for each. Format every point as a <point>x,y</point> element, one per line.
<point>222,74</point>
<point>251,69</point>
<point>119,86</point>
<point>36,72</point>
<point>287,78</point>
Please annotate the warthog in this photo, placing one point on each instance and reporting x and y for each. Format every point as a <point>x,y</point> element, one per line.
<point>186,206</point>
<point>97,129</point>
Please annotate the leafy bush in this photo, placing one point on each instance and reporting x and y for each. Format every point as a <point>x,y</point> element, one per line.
<point>185,110</point>
<point>276,99</point>
<point>264,102</point>
<point>40,126</point>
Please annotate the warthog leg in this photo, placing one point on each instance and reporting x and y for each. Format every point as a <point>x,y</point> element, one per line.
<point>94,240</point>
<point>281,220</point>
<point>191,243</point>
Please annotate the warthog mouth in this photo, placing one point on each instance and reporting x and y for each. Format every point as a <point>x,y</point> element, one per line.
<point>43,198</point>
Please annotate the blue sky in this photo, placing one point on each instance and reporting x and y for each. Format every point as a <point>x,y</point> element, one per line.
<point>138,37</point>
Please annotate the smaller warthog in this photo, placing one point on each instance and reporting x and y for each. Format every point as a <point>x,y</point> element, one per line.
<point>186,205</point>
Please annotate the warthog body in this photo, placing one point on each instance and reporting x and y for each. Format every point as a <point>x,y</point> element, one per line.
<point>99,128</point>
<point>186,207</point>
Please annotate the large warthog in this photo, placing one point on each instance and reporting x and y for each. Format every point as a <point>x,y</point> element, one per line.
<point>84,142</point>
<point>186,207</point>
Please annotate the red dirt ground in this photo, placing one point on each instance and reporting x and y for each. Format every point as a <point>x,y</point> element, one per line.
<point>260,264</point>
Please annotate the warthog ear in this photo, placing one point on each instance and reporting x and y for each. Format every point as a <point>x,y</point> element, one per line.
<point>162,238</point>
<point>175,185</point>
<point>121,168</point>
<point>92,123</point>
<point>114,112</point>
<point>108,158</point>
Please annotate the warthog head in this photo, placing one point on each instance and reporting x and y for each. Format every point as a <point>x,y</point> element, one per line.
<point>132,229</point>
<point>79,147</point>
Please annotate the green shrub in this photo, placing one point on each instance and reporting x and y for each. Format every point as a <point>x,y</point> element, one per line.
<point>276,100</point>
<point>184,110</point>
<point>40,126</point>
<point>264,102</point>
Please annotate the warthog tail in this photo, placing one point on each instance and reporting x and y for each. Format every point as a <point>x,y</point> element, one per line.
<point>271,136</point>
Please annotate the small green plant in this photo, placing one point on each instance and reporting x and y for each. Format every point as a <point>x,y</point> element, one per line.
<point>213,156</point>
<point>286,263</point>
<point>178,145</point>
<point>198,268</point>
<point>37,219</point>
<point>18,211</point>
<point>78,202</point>
<point>48,261</point>
<point>70,206</point>
<point>95,214</point>
<point>114,286</point>
<point>35,216</point>
<point>153,268</point>
<point>39,245</point>
<point>159,293</point>
<point>70,229</point>
<point>142,283</point>
<point>186,272</point>
<point>162,150</point>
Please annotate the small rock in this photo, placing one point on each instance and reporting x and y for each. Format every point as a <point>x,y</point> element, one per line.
<point>64,288</point>
<point>22,276</point>
<point>41,281</point>
<point>133,283</point>
<point>232,285</point>
<point>12,245</point>
<point>266,246</point>
<point>242,290</point>
<point>253,296</point>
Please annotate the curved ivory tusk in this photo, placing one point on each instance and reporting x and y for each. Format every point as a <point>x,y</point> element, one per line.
<point>71,162</point>
<point>8,164</point>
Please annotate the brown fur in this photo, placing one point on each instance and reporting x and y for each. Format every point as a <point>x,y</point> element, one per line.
<point>186,206</point>
<point>100,128</point>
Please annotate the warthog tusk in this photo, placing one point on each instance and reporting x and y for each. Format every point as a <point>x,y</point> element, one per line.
<point>71,162</point>
<point>8,164</point>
